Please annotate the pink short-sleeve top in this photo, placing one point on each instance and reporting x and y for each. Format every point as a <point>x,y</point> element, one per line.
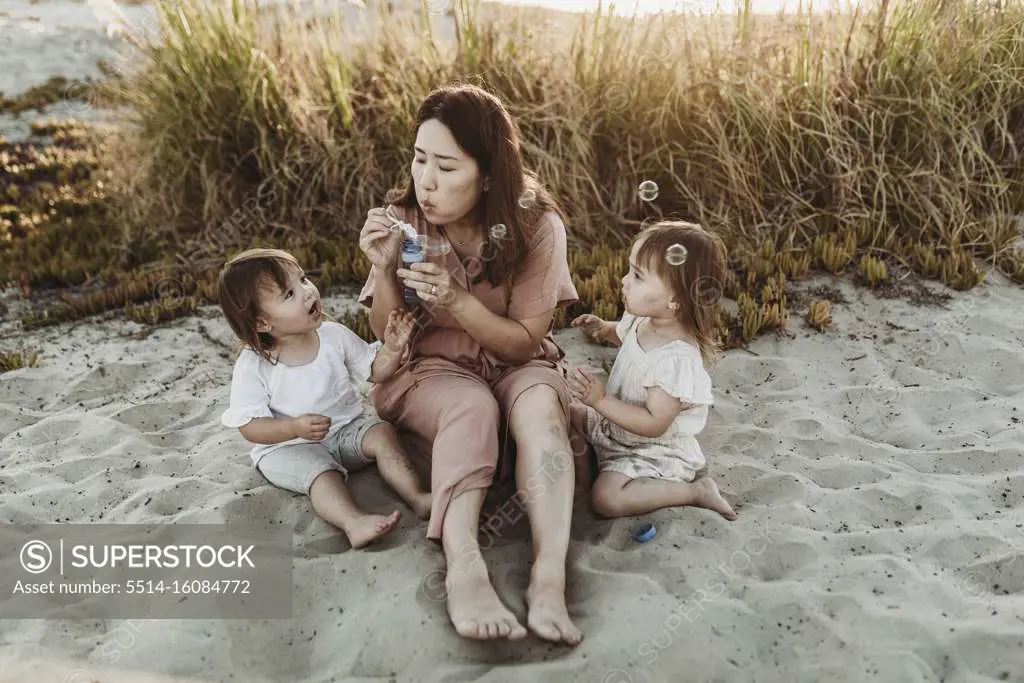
<point>543,283</point>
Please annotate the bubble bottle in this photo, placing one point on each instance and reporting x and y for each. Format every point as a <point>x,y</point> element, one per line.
<point>412,252</point>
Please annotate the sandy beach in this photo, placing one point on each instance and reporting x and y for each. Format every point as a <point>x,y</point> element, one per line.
<point>876,468</point>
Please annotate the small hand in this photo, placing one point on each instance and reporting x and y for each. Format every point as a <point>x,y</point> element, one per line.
<point>311,426</point>
<point>433,283</point>
<point>590,324</point>
<point>586,387</point>
<point>398,330</point>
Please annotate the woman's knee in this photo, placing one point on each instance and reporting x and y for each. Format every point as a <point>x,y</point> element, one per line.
<point>476,406</point>
<point>536,406</point>
<point>466,440</point>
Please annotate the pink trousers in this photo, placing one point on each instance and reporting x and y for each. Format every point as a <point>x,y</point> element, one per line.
<point>458,415</point>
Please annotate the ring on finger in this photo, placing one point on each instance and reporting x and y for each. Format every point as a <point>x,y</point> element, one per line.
<point>433,290</point>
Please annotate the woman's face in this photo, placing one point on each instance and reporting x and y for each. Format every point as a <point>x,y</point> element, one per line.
<point>447,180</point>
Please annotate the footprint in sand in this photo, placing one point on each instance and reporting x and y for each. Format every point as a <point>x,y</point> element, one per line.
<point>780,560</point>
<point>802,428</point>
<point>774,489</point>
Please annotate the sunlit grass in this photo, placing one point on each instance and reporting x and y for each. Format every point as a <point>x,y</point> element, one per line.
<point>846,143</point>
<point>902,123</point>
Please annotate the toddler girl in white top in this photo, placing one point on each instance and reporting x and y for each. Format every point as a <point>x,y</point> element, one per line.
<point>643,427</point>
<point>294,392</point>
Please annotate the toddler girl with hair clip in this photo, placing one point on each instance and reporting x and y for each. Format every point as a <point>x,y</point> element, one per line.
<point>294,392</point>
<point>643,427</point>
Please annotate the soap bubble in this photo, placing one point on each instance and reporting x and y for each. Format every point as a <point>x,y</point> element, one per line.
<point>676,255</point>
<point>648,190</point>
<point>528,199</point>
<point>499,231</point>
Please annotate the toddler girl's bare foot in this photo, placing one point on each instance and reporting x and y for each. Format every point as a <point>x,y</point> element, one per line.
<point>366,529</point>
<point>707,496</point>
<point>421,505</point>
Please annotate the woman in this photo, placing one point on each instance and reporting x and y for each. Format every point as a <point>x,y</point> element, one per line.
<point>483,360</point>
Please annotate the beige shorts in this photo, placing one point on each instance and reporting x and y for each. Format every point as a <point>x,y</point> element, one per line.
<point>296,466</point>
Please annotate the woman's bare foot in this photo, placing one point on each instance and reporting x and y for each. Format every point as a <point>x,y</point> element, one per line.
<point>421,505</point>
<point>548,617</point>
<point>366,529</point>
<point>707,496</point>
<point>476,610</point>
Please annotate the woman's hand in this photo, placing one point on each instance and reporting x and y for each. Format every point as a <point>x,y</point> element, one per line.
<point>586,387</point>
<point>591,325</point>
<point>399,330</point>
<point>434,284</point>
<point>380,241</point>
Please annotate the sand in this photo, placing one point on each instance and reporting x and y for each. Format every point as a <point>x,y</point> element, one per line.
<point>876,469</point>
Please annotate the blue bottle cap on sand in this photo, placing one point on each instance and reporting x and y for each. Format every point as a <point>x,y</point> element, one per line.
<point>645,533</point>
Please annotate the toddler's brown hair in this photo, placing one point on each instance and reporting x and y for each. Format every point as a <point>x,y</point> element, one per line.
<point>697,282</point>
<point>238,292</point>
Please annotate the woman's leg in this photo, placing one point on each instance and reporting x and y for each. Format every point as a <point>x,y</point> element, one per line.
<point>475,609</point>
<point>616,495</point>
<point>458,414</point>
<point>544,476</point>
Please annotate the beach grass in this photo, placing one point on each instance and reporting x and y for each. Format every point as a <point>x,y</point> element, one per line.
<point>15,360</point>
<point>872,144</point>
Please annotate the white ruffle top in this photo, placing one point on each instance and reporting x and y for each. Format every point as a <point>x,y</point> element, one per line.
<point>677,368</point>
<point>327,385</point>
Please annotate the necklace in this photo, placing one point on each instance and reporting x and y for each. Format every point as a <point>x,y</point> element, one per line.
<point>460,243</point>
